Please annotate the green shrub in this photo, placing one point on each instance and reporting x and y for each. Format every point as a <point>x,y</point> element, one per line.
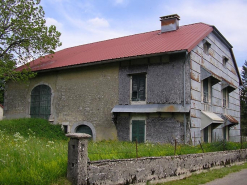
<point>27,126</point>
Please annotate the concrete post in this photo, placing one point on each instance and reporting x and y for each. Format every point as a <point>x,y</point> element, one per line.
<point>77,158</point>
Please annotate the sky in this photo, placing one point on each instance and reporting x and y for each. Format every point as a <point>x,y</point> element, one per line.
<point>87,21</point>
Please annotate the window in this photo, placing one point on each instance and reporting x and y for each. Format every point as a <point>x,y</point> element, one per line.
<point>205,91</point>
<point>206,47</point>
<point>226,133</point>
<point>138,131</point>
<point>139,87</point>
<point>84,129</point>
<point>225,97</point>
<point>41,102</point>
<point>225,60</point>
<point>65,129</point>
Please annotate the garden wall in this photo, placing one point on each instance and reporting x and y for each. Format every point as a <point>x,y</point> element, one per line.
<point>140,170</point>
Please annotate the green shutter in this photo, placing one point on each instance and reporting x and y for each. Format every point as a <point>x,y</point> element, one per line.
<point>41,102</point>
<point>138,130</point>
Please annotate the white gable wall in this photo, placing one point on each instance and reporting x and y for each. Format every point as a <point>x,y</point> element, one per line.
<point>213,62</point>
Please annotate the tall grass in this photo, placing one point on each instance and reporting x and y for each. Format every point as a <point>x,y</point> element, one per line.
<point>33,157</point>
<point>32,151</point>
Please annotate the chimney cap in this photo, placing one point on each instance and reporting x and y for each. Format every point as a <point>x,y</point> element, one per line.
<point>170,17</point>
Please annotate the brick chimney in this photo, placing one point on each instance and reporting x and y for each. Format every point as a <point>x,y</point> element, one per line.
<point>169,23</point>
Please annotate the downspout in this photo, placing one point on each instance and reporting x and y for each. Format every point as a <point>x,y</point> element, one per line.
<point>185,129</point>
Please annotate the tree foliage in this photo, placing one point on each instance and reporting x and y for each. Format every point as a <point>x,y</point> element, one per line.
<point>23,37</point>
<point>243,100</point>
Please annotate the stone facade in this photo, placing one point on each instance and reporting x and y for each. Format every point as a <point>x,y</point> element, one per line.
<point>79,96</point>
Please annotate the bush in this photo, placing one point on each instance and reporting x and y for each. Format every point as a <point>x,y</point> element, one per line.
<point>27,126</point>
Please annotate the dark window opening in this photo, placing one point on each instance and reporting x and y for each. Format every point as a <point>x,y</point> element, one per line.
<point>205,90</point>
<point>205,135</point>
<point>84,129</point>
<point>139,87</point>
<point>65,129</point>
<point>206,47</point>
<point>225,60</point>
<point>41,102</point>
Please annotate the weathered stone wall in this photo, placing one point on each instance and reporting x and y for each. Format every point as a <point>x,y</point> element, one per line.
<point>165,79</point>
<point>79,96</point>
<point>162,128</point>
<point>158,169</point>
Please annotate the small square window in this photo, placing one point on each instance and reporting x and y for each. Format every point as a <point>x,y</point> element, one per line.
<point>225,60</point>
<point>206,47</point>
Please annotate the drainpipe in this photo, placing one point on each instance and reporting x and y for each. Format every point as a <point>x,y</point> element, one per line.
<point>185,129</point>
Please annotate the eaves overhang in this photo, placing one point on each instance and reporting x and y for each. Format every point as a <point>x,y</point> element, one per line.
<point>229,120</point>
<point>151,108</point>
<point>108,61</point>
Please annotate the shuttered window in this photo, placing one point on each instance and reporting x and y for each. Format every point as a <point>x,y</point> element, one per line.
<point>139,87</point>
<point>138,130</point>
<point>41,102</point>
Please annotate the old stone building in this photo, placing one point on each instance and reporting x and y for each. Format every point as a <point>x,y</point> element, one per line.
<point>180,82</point>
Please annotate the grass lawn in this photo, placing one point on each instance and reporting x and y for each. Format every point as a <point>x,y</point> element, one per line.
<point>208,176</point>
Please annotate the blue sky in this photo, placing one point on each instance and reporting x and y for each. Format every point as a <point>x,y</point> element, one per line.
<point>86,21</point>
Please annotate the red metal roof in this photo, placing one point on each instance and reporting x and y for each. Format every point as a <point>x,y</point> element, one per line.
<point>185,38</point>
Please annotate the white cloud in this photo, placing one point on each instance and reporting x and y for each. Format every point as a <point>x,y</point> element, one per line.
<point>98,22</point>
<point>51,21</point>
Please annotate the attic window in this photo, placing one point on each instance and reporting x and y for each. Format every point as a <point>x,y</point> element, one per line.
<point>225,60</point>
<point>206,46</point>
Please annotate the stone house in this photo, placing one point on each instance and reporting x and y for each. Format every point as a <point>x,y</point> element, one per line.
<point>180,82</point>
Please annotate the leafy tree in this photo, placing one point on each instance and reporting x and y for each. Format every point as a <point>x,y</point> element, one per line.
<point>23,38</point>
<point>243,100</point>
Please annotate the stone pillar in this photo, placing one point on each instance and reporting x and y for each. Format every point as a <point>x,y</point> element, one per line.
<point>77,158</point>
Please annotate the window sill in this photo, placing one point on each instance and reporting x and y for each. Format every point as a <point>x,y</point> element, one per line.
<point>138,102</point>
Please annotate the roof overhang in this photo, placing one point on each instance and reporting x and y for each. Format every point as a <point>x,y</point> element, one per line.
<point>151,108</point>
<point>229,120</point>
<point>209,74</point>
<point>210,118</point>
<point>225,84</point>
<point>111,61</point>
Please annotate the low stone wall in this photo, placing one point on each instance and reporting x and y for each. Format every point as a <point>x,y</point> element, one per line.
<point>140,170</point>
<point>131,171</point>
